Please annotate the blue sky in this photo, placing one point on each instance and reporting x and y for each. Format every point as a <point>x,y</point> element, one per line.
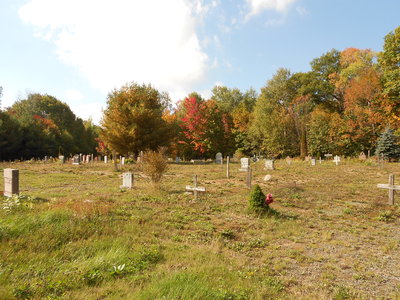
<point>79,50</point>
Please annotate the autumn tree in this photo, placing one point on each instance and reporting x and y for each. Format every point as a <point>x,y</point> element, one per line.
<point>389,62</point>
<point>133,119</point>
<point>193,122</point>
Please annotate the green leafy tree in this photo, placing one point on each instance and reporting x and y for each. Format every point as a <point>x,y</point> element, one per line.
<point>388,145</point>
<point>273,131</point>
<point>49,125</point>
<point>10,137</point>
<point>133,119</point>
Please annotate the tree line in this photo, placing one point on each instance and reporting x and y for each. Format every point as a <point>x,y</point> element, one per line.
<point>341,106</point>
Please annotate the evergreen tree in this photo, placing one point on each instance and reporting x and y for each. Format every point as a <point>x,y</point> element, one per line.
<point>388,145</point>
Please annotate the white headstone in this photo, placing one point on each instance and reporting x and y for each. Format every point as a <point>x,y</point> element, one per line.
<point>123,160</point>
<point>218,158</point>
<point>105,159</point>
<point>269,164</point>
<point>313,161</point>
<point>337,160</point>
<point>62,159</point>
<point>11,182</point>
<point>76,160</point>
<point>127,180</point>
<point>244,164</point>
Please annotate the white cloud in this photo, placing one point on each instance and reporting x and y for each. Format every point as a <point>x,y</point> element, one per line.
<point>114,42</point>
<point>73,95</point>
<point>257,6</point>
<point>302,11</point>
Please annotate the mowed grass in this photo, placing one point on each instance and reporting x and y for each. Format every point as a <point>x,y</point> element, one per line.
<point>79,236</point>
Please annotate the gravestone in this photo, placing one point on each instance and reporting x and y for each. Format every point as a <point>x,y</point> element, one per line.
<point>177,159</point>
<point>337,160</point>
<point>76,160</point>
<point>127,180</point>
<point>320,160</point>
<point>195,189</point>
<point>11,182</point>
<point>362,156</point>
<point>105,159</point>
<point>218,158</point>
<point>62,159</point>
<point>328,155</point>
<point>123,160</point>
<point>313,161</point>
<point>244,164</point>
<point>269,164</point>
<point>45,158</point>
<point>391,187</point>
<point>288,160</point>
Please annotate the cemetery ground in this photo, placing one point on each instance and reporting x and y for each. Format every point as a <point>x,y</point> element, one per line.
<point>76,235</point>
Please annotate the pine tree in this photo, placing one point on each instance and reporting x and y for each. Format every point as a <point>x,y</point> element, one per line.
<point>388,145</point>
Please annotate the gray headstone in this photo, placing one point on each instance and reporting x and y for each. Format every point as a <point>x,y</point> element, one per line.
<point>62,159</point>
<point>218,158</point>
<point>127,180</point>
<point>177,159</point>
<point>269,164</point>
<point>244,164</point>
<point>11,182</point>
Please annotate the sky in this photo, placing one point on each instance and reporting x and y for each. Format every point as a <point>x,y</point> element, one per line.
<point>80,50</point>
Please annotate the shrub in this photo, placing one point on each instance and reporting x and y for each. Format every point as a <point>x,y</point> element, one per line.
<point>155,164</point>
<point>257,199</point>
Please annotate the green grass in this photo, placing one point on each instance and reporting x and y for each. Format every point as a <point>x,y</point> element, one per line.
<point>76,235</point>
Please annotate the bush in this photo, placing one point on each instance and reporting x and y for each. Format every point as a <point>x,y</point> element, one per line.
<point>155,164</point>
<point>257,199</point>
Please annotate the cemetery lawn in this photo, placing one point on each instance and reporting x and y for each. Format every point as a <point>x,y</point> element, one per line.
<point>74,234</point>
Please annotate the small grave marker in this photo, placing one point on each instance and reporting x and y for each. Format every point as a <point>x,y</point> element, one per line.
<point>123,160</point>
<point>218,158</point>
<point>362,156</point>
<point>313,161</point>
<point>269,164</point>
<point>244,164</point>
<point>127,180</point>
<point>336,160</point>
<point>62,159</point>
<point>76,160</point>
<point>177,159</point>
<point>105,159</point>
<point>11,182</point>
<point>288,160</point>
<point>391,187</point>
<point>195,189</point>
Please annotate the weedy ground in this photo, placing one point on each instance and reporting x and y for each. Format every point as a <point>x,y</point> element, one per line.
<point>74,234</point>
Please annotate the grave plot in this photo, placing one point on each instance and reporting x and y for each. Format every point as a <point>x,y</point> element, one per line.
<point>332,226</point>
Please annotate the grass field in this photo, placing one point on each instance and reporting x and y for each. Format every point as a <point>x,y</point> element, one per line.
<point>74,234</point>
